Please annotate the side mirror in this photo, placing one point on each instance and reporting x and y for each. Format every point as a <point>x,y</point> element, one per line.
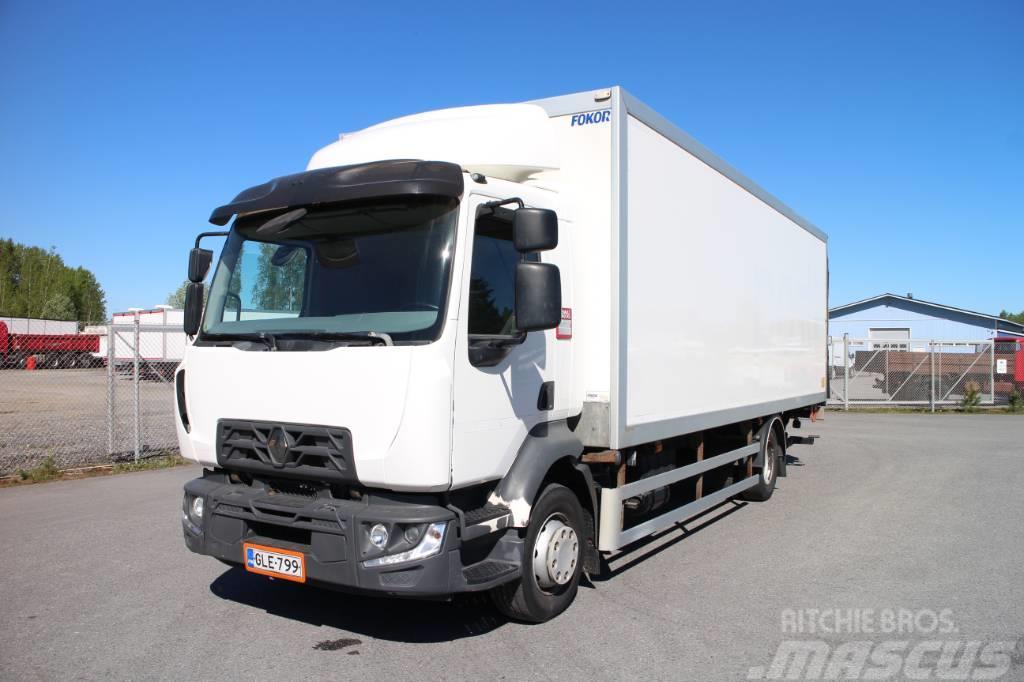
<point>199,264</point>
<point>534,229</point>
<point>538,296</point>
<point>193,307</point>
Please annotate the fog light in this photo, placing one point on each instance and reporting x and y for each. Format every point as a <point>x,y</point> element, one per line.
<point>197,508</point>
<point>379,536</point>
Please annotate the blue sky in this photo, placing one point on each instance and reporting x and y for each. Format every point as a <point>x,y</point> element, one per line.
<point>896,127</point>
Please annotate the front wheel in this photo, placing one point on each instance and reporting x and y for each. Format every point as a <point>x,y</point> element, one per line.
<point>552,560</point>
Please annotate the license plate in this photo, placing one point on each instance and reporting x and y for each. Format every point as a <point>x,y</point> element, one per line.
<point>275,562</point>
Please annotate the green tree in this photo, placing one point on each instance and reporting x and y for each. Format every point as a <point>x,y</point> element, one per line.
<point>59,307</point>
<point>87,296</point>
<point>35,282</point>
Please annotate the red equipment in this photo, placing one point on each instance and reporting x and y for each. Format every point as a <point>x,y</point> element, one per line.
<point>1011,348</point>
<point>51,350</point>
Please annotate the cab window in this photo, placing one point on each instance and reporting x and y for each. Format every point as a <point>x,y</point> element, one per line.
<point>492,278</point>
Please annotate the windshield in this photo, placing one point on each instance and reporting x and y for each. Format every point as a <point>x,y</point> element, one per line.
<point>381,266</point>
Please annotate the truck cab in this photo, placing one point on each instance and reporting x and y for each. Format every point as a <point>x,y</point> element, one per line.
<point>351,311</point>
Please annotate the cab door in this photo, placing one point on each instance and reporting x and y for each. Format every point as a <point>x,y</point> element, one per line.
<point>498,370</point>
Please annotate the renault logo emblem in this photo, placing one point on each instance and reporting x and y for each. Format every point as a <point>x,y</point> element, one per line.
<point>278,445</point>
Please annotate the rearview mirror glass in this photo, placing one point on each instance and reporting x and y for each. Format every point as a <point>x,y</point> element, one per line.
<point>193,307</point>
<point>538,296</point>
<point>199,264</point>
<point>534,229</point>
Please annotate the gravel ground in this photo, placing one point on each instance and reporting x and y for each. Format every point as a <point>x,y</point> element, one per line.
<point>886,511</point>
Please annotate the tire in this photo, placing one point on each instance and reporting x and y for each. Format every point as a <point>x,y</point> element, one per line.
<point>555,520</point>
<point>769,473</point>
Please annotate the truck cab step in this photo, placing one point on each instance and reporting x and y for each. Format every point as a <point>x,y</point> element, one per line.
<point>489,571</point>
<point>487,519</point>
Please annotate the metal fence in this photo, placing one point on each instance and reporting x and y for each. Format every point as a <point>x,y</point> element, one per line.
<point>107,396</point>
<point>933,373</point>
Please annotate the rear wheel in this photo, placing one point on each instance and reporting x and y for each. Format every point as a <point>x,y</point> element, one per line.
<point>769,470</point>
<point>552,560</point>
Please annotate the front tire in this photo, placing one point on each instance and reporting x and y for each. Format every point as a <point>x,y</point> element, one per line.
<point>552,560</point>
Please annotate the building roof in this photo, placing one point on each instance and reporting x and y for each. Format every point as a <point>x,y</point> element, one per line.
<point>883,298</point>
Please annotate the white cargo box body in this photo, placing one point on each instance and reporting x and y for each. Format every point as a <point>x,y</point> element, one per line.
<point>699,299</point>
<point>165,344</point>
<point>696,298</point>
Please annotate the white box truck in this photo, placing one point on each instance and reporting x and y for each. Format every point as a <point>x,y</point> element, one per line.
<point>479,348</point>
<point>161,341</point>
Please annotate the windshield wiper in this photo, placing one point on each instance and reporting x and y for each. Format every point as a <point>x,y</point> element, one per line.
<point>384,339</point>
<point>269,339</point>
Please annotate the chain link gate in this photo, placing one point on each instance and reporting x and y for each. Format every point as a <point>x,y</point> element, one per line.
<point>140,391</point>
<point>911,372</point>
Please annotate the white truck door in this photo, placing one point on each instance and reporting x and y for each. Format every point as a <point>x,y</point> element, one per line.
<point>499,371</point>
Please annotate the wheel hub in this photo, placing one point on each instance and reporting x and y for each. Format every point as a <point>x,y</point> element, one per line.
<point>555,553</point>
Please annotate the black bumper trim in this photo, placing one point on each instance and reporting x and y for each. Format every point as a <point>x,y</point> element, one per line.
<point>327,532</point>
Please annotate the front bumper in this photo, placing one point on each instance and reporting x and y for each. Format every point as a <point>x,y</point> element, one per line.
<point>330,534</point>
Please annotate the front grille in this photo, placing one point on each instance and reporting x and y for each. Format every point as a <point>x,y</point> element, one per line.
<point>296,451</point>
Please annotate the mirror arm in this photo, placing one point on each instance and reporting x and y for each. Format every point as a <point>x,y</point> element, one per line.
<point>491,205</point>
<point>209,234</point>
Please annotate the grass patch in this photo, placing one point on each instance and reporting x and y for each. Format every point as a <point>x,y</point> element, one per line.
<point>160,462</point>
<point>47,470</point>
<point>1016,402</point>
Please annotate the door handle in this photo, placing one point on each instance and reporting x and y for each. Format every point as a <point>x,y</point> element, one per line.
<point>546,399</point>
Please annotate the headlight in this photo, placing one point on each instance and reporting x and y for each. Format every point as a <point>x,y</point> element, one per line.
<point>430,544</point>
<point>192,513</point>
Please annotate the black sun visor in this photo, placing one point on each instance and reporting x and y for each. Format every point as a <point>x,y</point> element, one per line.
<point>347,183</point>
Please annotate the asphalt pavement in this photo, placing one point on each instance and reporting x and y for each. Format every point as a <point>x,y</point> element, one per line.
<point>910,513</point>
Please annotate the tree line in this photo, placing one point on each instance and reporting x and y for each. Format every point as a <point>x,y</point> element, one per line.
<point>36,283</point>
<point>1012,317</point>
